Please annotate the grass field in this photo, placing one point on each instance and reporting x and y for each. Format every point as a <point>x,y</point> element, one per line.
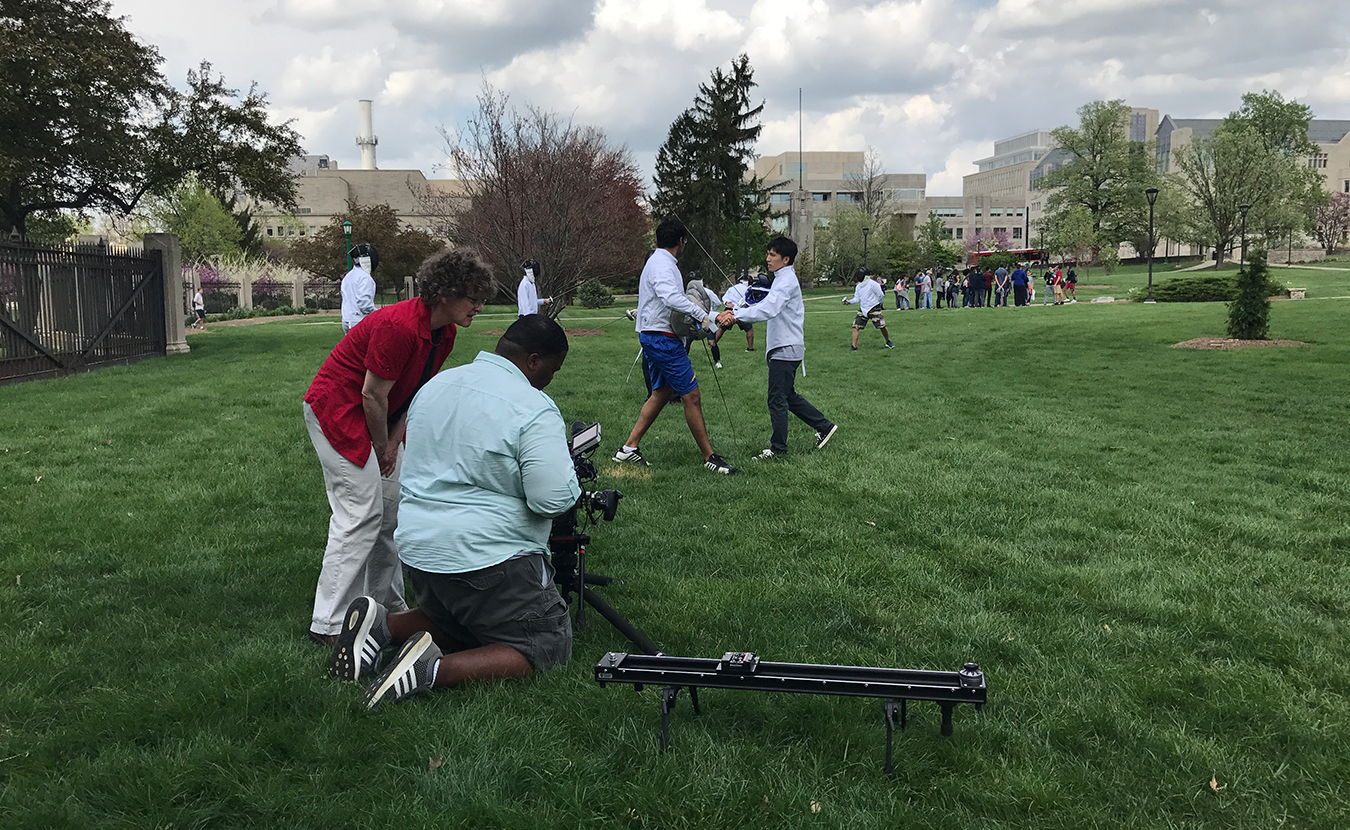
<point>1144,548</point>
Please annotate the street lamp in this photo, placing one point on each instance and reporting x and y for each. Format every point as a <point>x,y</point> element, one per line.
<point>1152,194</point>
<point>1243,260</point>
<point>866,230</point>
<point>347,232</point>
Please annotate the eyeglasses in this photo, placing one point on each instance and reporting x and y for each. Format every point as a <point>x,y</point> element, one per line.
<point>477,302</point>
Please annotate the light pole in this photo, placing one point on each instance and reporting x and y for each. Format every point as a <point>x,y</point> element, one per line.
<point>1242,261</point>
<point>1152,194</point>
<point>347,232</point>
<point>866,231</point>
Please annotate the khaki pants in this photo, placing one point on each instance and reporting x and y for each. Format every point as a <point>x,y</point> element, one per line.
<point>360,558</point>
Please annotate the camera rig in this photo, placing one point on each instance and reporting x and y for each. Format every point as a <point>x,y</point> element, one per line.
<point>567,540</point>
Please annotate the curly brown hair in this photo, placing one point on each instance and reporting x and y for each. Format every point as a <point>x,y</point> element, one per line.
<point>454,273</point>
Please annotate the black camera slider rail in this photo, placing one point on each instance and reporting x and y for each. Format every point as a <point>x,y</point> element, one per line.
<point>742,670</point>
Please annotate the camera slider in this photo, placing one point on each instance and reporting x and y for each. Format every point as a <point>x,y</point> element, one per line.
<point>743,670</point>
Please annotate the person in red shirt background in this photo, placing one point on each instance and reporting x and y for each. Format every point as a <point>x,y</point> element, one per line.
<point>356,411</point>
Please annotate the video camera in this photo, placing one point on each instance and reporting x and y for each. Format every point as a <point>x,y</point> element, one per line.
<point>585,439</point>
<point>567,540</point>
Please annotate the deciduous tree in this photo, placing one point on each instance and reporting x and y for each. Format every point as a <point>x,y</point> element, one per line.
<point>537,187</point>
<point>1106,175</point>
<point>88,123</point>
<point>402,248</point>
<point>1331,221</point>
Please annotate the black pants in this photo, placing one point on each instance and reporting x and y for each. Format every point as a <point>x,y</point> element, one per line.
<point>1019,295</point>
<point>783,398</point>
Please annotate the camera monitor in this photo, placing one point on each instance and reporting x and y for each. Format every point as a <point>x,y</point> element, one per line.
<point>585,439</point>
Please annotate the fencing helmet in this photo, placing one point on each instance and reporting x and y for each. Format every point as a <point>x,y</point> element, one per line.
<point>366,256</point>
<point>531,269</point>
<point>685,325</point>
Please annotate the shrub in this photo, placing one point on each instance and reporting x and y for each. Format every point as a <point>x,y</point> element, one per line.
<point>1249,313</point>
<point>594,295</point>
<point>1207,288</point>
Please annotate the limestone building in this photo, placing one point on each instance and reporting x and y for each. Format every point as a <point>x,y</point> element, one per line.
<point>806,188</point>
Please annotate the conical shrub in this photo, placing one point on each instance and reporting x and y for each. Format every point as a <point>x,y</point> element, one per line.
<point>1249,314</point>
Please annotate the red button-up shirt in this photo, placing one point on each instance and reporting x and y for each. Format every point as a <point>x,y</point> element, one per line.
<point>391,343</point>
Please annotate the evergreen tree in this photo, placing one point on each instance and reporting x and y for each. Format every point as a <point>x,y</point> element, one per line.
<point>701,172</point>
<point>1249,313</point>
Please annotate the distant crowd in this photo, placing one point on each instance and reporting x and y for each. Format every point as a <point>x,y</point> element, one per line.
<point>982,287</point>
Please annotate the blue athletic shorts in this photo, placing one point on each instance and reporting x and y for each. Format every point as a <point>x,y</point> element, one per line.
<point>667,363</point>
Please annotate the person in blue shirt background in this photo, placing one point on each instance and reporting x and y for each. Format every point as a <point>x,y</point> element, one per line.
<point>486,468</point>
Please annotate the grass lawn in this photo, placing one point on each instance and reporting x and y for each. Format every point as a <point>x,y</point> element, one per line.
<point>1144,548</point>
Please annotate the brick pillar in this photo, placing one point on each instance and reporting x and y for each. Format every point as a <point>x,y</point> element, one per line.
<point>298,292</point>
<point>245,289</point>
<point>172,259</point>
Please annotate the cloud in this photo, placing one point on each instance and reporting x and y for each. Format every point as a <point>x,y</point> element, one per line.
<point>929,83</point>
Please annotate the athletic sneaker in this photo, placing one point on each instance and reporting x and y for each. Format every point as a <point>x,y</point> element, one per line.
<point>625,457</point>
<point>823,438</point>
<point>364,634</point>
<point>767,454</point>
<point>717,365</point>
<point>412,672</point>
<point>852,348</point>
<point>717,464</point>
<point>890,345</point>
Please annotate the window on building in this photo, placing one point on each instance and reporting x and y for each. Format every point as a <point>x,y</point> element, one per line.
<point>1001,230</point>
<point>779,224</point>
<point>907,194</point>
<point>290,231</point>
<point>1346,186</point>
<point>303,210</point>
<point>960,232</point>
<point>979,231</point>
<point>979,212</point>
<point>1020,211</point>
<point>1017,233</point>
<point>946,211</point>
<point>302,230</point>
<point>779,198</point>
<point>1319,161</point>
<point>269,230</point>
<point>848,197</point>
<point>947,232</point>
<point>995,211</point>
<point>820,197</point>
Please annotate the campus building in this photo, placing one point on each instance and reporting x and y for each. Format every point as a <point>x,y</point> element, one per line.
<point>805,189</point>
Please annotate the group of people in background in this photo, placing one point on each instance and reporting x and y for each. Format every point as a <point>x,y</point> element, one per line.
<point>984,287</point>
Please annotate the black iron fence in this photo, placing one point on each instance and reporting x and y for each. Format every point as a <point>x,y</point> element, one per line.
<point>66,309</point>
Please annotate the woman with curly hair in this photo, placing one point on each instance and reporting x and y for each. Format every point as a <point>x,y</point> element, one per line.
<point>356,410</point>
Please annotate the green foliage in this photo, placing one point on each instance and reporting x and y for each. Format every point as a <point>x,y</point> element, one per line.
<point>204,228</point>
<point>934,247</point>
<point>1070,234</point>
<point>402,248</point>
<point>1249,313</point>
<point>594,295</point>
<point>52,227</point>
<point>1105,175</point>
<point>839,246</point>
<point>1001,259</point>
<point>701,172</point>
<point>89,123</point>
<point>1207,287</point>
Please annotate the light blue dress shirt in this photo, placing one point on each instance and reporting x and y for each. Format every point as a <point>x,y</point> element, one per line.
<point>485,469</point>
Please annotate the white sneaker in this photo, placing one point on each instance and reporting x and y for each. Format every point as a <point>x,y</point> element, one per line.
<point>766,455</point>
<point>717,365</point>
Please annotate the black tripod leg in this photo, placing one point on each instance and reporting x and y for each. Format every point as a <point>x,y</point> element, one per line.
<point>581,583</point>
<point>667,703</point>
<point>891,709</point>
<point>616,619</point>
<point>947,718</point>
<point>693,697</point>
<point>597,579</point>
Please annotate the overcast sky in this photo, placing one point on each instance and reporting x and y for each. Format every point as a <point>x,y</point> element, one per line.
<point>930,83</point>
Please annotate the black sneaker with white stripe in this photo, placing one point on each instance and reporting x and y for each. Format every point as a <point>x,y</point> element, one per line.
<point>718,464</point>
<point>364,634</point>
<point>412,672</point>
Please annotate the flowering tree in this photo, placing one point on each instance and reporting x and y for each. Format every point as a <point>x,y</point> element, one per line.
<point>1331,221</point>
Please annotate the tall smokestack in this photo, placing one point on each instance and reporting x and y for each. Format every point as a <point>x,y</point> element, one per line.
<point>366,139</point>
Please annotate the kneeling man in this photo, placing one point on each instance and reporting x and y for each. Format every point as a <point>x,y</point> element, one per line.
<point>485,470</point>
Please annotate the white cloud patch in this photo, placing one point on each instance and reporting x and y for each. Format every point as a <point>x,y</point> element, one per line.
<point>929,83</point>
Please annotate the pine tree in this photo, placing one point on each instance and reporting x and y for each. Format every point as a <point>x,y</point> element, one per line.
<point>1249,313</point>
<point>701,171</point>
